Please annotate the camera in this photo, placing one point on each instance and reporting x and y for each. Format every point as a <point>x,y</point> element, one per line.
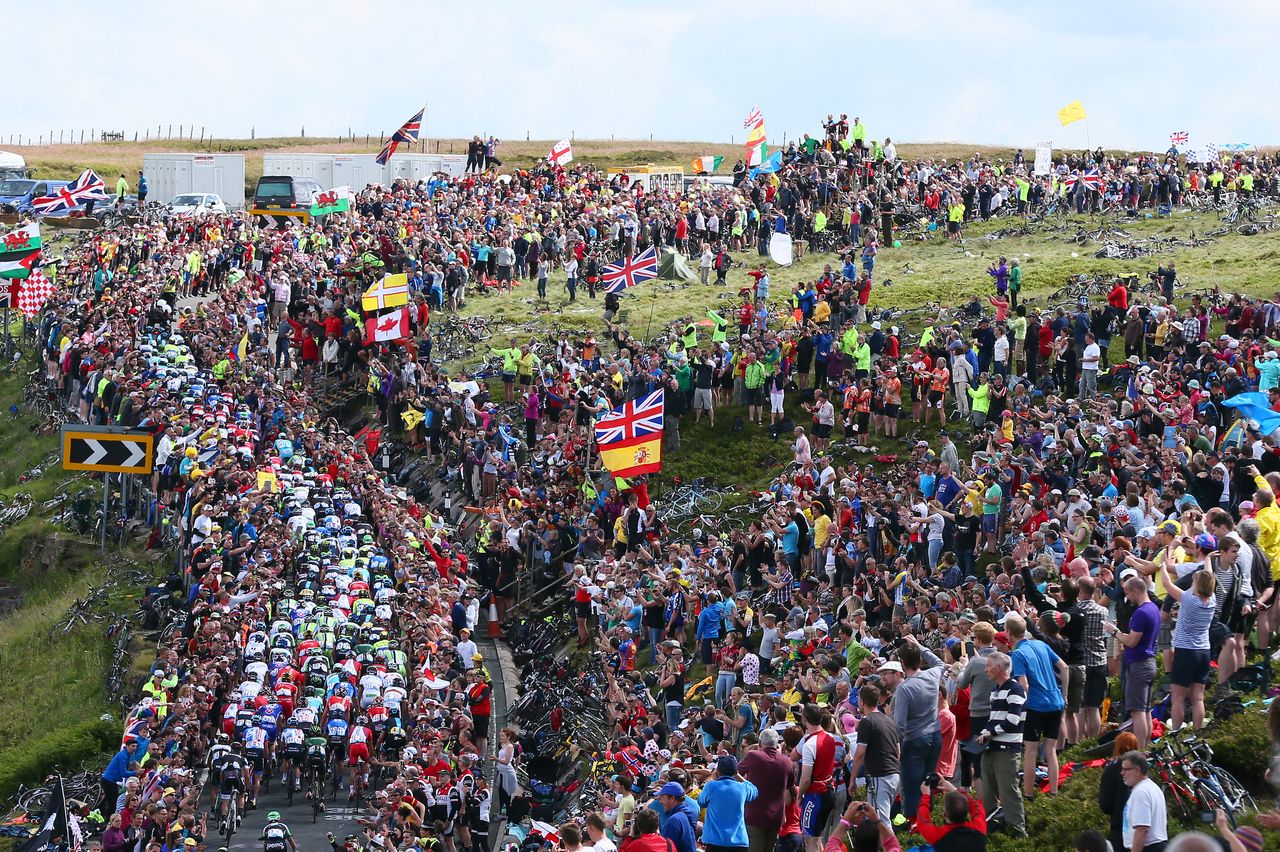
<point>933,779</point>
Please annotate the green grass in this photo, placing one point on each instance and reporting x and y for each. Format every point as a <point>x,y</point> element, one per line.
<point>941,272</point>
<point>51,716</point>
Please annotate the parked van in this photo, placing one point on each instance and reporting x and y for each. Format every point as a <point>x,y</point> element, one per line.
<point>285,196</point>
<point>16,194</point>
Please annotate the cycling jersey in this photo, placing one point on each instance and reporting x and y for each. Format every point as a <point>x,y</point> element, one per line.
<point>818,750</point>
<point>291,740</point>
<point>255,739</point>
<point>275,837</point>
<point>336,731</point>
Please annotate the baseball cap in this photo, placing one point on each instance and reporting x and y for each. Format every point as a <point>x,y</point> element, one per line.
<point>1170,528</point>
<point>1146,532</point>
<point>1003,638</point>
<point>1206,542</point>
<point>727,765</point>
<point>1247,509</point>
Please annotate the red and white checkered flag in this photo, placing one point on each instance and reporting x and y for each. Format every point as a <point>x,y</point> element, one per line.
<point>36,290</point>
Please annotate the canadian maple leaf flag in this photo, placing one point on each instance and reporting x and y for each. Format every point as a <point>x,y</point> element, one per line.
<point>392,326</point>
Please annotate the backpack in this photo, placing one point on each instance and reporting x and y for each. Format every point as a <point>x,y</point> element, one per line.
<point>1260,574</point>
<point>738,423</point>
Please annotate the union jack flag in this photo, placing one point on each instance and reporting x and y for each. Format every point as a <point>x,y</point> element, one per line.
<point>634,419</point>
<point>87,187</point>
<point>1179,137</point>
<point>753,118</point>
<point>1091,179</point>
<point>407,133</point>
<point>630,271</point>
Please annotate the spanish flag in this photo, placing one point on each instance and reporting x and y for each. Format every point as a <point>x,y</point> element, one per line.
<point>1072,112</point>
<point>633,456</point>
<point>391,292</point>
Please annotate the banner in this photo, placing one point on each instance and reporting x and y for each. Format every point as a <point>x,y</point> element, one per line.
<point>780,249</point>
<point>1044,158</point>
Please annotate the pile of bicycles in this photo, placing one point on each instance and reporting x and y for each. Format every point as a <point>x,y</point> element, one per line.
<point>121,660</point>
<point>564,728</point>
<point>1193,785</point>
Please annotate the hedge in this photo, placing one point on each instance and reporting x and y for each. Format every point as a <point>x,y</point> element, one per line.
<point>64,749</point>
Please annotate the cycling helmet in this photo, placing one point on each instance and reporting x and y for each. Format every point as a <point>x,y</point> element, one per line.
<point>274,815</point>
<point>362,719</point>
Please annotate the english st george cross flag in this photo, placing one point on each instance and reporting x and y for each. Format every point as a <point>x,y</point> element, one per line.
<point>20,251</point>
<point>392,326</point>
<point>87,187</point>
<point>408,132</point>
<point>561,153</point>
<point>630,271</point>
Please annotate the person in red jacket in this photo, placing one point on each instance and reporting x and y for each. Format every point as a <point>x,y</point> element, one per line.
<point>965,828</point>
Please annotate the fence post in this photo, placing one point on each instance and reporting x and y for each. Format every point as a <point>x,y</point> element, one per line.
<point>202,133</point>
<point>170,131</point>
<point>437,146</point>
<point>135,136</point>
<point>60,132</point>
<point>251,133</point>
<point>304,131</point>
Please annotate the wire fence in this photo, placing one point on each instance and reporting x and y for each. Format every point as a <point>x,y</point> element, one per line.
<point>201,135</point>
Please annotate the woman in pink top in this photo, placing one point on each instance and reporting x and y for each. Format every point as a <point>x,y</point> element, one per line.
<point>1001,304</point>
<point>950,745</point>
<point>532,412</point>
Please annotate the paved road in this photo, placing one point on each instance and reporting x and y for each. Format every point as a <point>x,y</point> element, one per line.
<point>339,818</point>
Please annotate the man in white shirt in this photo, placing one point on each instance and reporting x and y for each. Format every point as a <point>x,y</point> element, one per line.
<point>1000,353</point>
<point>466,649</point>
<point>1145,815</point>
<point>1089,368</point>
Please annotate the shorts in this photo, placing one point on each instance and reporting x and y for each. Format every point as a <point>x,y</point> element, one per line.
<point>990,523</point>
<point>1095,686</point>
<point>254,759</point>
<point>822,430</point>
<point>480,727</point>
<point>935,398</point>
<point>892,410</point>
<point>1138,678</point>
<point>1164,636</point>
<point>953,227</point>
<point>754,396</point>
<point>1041,725</point>
<point>815,808</point>
<point>863,418</point>
<point>508,378</point>
<point>581,610</point>
<point>526,380</point>
<point>702,399</point>
<point>356,753</point>
<point>777,399</point>
<point>292,752</point>
<point>1190,667</point>
<point>1075,688</point>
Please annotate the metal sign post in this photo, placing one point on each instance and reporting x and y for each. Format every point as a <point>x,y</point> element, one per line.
<point>107,450</point>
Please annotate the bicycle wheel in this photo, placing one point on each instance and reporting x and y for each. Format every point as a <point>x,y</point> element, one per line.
<point>1208,800</point>
<point>1237,796</point>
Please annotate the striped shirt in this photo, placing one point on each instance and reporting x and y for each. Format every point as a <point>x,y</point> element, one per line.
<point>1007,715</point>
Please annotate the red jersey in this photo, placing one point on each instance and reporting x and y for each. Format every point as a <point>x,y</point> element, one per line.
<point>818,751</point>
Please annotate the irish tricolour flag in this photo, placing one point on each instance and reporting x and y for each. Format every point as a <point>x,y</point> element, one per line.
<point>336,200</point>
<point>706,164</point>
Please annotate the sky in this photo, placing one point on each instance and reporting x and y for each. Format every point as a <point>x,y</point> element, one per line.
<point>916,70</point>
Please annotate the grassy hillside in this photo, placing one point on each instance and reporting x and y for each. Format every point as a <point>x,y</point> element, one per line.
<point>934,271</point>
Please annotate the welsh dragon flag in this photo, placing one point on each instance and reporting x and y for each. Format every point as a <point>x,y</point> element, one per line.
<point>336,200</point>
<point>706,164</point>
<point>20,252</point>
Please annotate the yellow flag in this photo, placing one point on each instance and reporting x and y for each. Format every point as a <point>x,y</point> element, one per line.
<point>267,481</point>
<point>1073,111</point>
<point>391,292</point>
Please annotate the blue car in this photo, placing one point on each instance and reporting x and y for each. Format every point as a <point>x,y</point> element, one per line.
<point>16,194</point>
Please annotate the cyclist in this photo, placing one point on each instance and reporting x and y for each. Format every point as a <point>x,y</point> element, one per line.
<point>292,748</point>
<point>317,760</point>
<point>255,750</point>
<point>234,781</point>
<point>217,753</point>
<point>276,836</point>
<point>358,753</point>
